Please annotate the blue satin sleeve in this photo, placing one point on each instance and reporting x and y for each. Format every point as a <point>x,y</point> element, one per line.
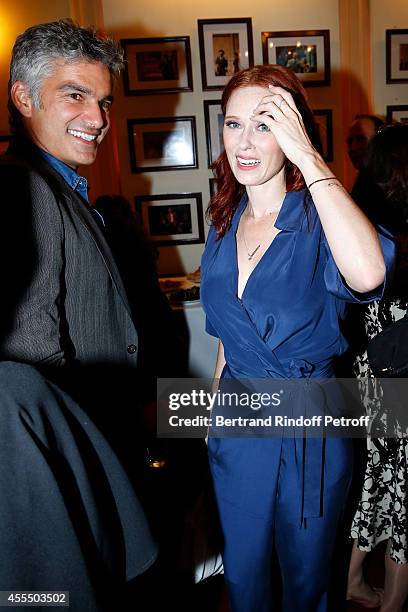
<point>337,286</point>
<point>210,329</point>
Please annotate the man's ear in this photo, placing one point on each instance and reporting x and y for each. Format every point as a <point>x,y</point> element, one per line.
<point>21,98</point>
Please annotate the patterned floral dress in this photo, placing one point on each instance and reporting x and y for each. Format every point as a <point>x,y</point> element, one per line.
<point>382,512</point>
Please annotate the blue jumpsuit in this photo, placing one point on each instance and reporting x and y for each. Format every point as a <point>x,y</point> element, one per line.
<point>286,490</point>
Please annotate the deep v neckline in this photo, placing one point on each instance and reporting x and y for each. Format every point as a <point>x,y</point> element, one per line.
<point>237,274</point>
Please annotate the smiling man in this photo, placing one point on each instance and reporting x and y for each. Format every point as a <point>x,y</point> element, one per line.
<point>64,308</point>
<point>73,116</point>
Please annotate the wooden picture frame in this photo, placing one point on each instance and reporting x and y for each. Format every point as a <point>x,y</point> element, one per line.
<point>233,37</point>
<point>396,56</point>
<point>157,65</point>
<point>162,143</point>
<point>214,123</point>
<point>306,52</point>
<point>172,219</point>
<point>324,120</point>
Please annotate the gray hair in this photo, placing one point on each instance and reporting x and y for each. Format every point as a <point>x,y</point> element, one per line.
<point>36,51</point>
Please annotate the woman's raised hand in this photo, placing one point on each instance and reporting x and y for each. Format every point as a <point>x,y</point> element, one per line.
<point>278,112</point>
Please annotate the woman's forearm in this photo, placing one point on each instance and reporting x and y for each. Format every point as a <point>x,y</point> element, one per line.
<point>352,239</point>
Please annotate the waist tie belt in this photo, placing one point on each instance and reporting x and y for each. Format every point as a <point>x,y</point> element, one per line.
<point>309,398</point>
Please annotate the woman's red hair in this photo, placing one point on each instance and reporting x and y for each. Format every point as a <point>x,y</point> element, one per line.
<point>229,192</point>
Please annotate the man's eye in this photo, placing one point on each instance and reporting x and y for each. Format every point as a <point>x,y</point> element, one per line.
<point>232,124</point>
<point>75,96</point>
<point>106,106</point>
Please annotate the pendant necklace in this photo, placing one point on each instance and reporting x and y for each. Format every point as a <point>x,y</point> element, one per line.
<point>258,246</point>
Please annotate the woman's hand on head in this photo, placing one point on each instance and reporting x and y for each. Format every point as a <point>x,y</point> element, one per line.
<point>278,112</point>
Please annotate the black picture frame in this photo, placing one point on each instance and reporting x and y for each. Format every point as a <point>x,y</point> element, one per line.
<point>396,56</point>
<point>157,65</point>
<point>172,219</point>
<point>162,143</point>
<point>397,112</point>
<point>214,121</point>
<point>324,120</point>
<point>306,52</point>
<point>234,37</point>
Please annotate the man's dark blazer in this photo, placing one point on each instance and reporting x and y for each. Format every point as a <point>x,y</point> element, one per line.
<point>69,519</point>
<point>64,307</point>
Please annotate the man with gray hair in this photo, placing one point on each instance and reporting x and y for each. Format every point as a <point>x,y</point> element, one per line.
<point>64,307</point>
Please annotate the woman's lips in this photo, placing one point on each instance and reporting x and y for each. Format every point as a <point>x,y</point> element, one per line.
<point>247,163</point>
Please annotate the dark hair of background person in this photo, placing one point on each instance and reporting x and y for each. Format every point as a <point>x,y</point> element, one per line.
<point>229,190</point>
<point>387,162</point>
<point>387,166</point>
<point>36,51</point>
<point>382,190</point>
<point>377,121</point>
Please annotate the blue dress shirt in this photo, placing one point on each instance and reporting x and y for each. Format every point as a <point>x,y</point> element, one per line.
<point>75,181</point>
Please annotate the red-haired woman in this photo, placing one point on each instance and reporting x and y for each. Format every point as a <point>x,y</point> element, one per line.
<point>286,250</point>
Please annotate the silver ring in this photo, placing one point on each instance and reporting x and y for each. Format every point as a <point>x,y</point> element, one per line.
<point>281,102</point>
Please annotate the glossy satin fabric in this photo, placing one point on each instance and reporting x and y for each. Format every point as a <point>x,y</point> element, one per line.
<point>286,325</point>
<point>287,322</point>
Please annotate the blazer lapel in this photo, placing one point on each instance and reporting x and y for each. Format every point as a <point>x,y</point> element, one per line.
<point>93,229</point>
<point>24,150</point>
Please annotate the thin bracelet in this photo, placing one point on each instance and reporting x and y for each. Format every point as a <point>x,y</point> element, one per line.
<point>329,178</point>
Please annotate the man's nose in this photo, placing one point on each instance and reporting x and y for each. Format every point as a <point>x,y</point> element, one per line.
<point>96,117</point>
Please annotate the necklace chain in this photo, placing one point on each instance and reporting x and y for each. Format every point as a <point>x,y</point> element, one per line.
<point>258,246</point>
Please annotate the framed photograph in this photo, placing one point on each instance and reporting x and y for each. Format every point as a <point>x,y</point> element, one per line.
<point>4,143</point>
<point>324,120</point>
<point>162,143</point>
<point>306,52</point>
<point>169,220</point>
<point>397,113</point>
<point>396,56</point>
<point>226,46</point>
<point>214,124</point>
<point>157,65</point>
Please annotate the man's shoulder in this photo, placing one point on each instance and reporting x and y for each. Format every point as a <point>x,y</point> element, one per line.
<point>19,165</point>
<point>28,173</point>
<point>10,162</point>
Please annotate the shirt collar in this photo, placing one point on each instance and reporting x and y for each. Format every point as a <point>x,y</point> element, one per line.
<point>75,181</point>
<point>292,215</point>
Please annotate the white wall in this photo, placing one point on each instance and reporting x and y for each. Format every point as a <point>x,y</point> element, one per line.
<point>130,19</point>
<point>384,16</point>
